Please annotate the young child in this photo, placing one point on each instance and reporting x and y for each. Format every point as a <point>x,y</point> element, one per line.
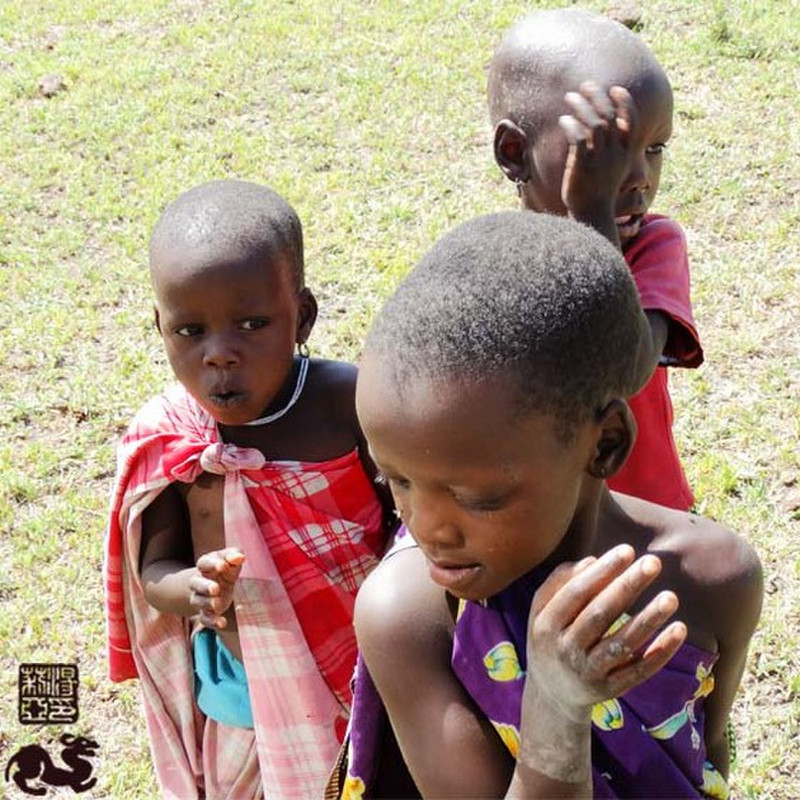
<point>520,641</point>
<point>244,515</point>
<point>582,114</point>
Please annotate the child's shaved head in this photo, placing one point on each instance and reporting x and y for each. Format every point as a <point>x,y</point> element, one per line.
<point>551,52</point>
<point>225,221</point>
<point>544,300</point>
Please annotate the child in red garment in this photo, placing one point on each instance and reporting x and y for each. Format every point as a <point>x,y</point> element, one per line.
<point>244,515</point>
<point>582,114</point>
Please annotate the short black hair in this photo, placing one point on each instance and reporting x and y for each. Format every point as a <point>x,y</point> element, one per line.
<point>232,215</point>
<point>550,52</point>
<point>543,299</point>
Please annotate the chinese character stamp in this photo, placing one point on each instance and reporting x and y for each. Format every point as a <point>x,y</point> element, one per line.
<point>48,693</point>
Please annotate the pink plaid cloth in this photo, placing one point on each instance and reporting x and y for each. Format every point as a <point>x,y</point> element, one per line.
<point>311,533</point>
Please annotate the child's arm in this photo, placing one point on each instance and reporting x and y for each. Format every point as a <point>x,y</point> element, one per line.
<point>170,582</point>
<point>598,131</point>
<point>728,585</point>
<point>572,664</point>
<point>652,345</point>
<point>404,629</point>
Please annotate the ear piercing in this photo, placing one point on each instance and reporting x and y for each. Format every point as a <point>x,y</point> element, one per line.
<point>302,350</point>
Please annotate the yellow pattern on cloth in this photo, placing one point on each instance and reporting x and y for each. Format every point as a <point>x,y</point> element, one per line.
<point>502,664</point>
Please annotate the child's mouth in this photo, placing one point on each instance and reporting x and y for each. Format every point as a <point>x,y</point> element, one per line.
<point>453,577</point>
<point>225,399</point>
<point>628,225</point>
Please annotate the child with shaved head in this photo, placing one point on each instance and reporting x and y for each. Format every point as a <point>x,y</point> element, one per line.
<point>245,514</point>
<point>533,634</point>
<point>582,113</point>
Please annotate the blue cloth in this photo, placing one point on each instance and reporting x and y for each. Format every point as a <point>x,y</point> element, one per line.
<point>220,682</point>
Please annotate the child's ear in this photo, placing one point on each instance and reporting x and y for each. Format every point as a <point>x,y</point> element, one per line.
<point>617,433</point>
<point>307,316</point>
<point>510,150</point>
<point>157,318</point>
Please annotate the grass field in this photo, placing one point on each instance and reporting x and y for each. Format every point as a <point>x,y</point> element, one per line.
<point>369,117</point>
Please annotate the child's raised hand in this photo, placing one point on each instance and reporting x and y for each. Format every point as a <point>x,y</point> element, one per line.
<point>211,590</point>
<point>598,131</point>
<point>573,663</point>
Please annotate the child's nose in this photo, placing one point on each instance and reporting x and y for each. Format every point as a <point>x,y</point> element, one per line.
<point>638,177</point>
<point>220,352</point>
<point>432,525</point>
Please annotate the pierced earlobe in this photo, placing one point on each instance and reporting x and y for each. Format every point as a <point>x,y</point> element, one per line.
<point>302,350</point>
<point>306,320</point>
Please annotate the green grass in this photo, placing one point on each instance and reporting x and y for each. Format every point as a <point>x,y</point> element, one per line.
<point>369,118</point>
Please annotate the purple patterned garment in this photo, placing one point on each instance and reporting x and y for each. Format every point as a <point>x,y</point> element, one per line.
<point>646,743</point>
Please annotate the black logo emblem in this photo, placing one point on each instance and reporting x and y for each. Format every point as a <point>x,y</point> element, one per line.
<point>31,766</point>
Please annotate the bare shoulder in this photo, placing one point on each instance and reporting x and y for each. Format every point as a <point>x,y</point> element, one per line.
<point>332,375</point>
<point>333,386</point>
<point>400,611</point>
<point>716,574</point>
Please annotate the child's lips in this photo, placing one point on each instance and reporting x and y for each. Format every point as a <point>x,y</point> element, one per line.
<point>453,577</point>
<point>226,398</point>
<point>628,225</point>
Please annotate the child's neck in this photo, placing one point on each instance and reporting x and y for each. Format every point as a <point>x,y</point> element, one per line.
<point>589,533</point>
<point>284,401</point>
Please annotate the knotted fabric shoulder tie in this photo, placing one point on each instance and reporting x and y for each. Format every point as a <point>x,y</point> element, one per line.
<point>219,458</point>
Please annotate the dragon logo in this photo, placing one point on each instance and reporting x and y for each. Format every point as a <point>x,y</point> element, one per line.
<point>31,766</point>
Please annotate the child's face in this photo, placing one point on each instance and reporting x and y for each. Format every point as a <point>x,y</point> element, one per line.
<point>653,127</point>
<point>487,493</point>
<point>230,330</point>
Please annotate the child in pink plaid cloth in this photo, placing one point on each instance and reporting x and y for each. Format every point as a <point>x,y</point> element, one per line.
<point>245,514</point>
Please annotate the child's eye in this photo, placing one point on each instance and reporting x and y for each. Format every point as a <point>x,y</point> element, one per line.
<point>252,324</point>
<point>188,330</point>
<point>397,484</point>
<point>483,504</point>
<point>656,149</point>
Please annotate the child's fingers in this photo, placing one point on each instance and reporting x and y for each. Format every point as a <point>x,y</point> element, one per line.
<point>560,576</point>
<point>208,603</point>
<point>577,134</point>
<point>234,557</point>
<point>212,620</point>
<point>582,588</point>
<point>593,114</point>
<point>221,564</point>
<point>593,622</point>
<point>202,586</point>
<point>624,110</point>
<point>623,646</point>
<point>586,124</point>
<point>658,653</point>
<point>599,100</point>
<point>204,603</point>
<point>211,563</point>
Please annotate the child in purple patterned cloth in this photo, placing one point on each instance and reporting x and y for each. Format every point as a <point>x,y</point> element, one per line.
<point>520,638</point>
<point>582,113</point>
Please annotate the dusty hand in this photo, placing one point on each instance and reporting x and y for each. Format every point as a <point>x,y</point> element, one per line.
<point>598,131</point>
<point>570,658</point>
<point>212,588</point>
